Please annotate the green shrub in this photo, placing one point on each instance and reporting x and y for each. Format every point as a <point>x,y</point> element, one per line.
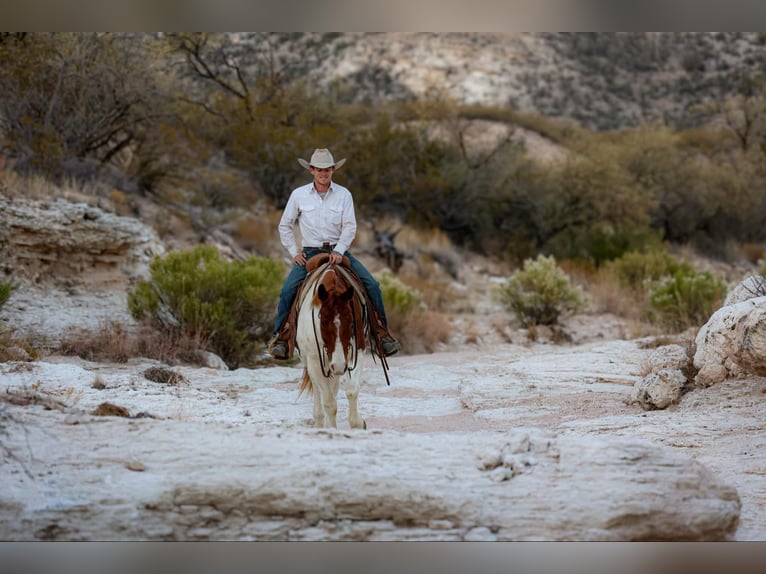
<point>686,298</point>
<point>635,270</point>
<point>541,293</point>
<point>397,297</point>
<point>229,304</point>
<point>6,288</point>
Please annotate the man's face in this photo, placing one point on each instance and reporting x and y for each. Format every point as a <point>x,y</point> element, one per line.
<point>322,174</point>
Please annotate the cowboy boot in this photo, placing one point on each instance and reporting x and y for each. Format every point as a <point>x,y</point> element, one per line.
<point>389,345</point>
<point>279,348</point>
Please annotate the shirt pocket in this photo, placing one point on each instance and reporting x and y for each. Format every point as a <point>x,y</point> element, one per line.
<point>306,207</point>
<point>335,214</point>
<point>307,211</point>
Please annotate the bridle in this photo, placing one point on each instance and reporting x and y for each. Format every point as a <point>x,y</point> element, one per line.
<point>322,351</point>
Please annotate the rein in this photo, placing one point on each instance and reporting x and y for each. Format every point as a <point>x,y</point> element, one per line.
<point>375,345</point>
<point>322,351</point>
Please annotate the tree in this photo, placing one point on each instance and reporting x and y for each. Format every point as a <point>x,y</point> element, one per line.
<point>72,102</point>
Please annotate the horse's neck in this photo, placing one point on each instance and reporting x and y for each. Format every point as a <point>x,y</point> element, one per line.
<point>307,287</point>
<point>352,280</point>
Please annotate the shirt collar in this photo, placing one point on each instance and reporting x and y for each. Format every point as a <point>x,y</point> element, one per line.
<point>314,189</point>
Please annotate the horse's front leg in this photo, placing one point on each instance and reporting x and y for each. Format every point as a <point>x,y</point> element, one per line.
<point>352,385</point>
<point>324,398</point>
<point>318,410</point>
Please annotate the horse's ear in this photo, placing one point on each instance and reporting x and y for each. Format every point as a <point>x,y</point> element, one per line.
<point>322,292</point>
<point>347,294</point>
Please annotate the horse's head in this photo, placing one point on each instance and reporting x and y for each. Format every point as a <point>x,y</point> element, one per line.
<point>337,324</point>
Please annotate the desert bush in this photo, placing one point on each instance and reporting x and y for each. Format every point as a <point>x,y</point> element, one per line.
<point>686,298</point>
<point>228,304</point>
<point>541,293</point>
<point>397,297</point>
<point>635,269</point>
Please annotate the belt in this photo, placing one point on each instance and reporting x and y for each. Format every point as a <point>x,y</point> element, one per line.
<point>325,247</point>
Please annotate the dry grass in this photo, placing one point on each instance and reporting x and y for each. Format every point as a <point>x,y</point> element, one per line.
<point>472,334</point>
<point>430,240</point>
<point>15,347</point>
<point>502,326</point>
<point>257,233</point>
<point>112,342</point>
<point>608,296</point>
<point>420,331</point>
<point>429,250</point>
<point>165,376</point>
<point>110,410</point>
<point>408,238</point>
<point>754,252</point>
<point>580,271</point>
<point>435,293</point>
<point>38,187</point>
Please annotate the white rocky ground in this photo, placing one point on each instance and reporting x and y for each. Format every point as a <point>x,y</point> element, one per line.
<point>494,438</point>
<point>233,454</point>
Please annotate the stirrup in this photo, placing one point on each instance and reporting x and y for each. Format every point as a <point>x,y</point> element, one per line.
<point>389,345</point>
<point>279,349</point>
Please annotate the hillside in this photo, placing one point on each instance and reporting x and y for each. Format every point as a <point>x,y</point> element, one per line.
<point>601,80</point>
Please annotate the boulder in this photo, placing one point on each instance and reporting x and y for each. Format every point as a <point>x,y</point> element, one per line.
<point>726,337</point>
<point>666,380</point>
<point>659,390</point>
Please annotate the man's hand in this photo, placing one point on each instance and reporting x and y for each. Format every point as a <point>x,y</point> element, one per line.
<point>335,257</point>
<point>300,258</point>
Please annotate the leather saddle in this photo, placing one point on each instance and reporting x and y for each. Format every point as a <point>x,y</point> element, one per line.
<point>370,323</point>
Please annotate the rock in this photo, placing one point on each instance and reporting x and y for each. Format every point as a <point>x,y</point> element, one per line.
<point>710,374</point>
<point>750,342</point>
<point>751,287</point>
<point>352,485</point>
<point>659,390</point>
<point>668,357</point>
<point>212,361</point>
<point>721,339</point>
<point>666,381</point>
<point>73,242</point>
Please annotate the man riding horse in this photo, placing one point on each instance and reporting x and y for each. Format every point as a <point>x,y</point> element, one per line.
<point>325,214</point>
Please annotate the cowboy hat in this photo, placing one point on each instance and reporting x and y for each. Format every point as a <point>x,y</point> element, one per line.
<point>321,158</point>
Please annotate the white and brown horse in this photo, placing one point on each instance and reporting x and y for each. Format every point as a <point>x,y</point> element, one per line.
<point>331,338</point>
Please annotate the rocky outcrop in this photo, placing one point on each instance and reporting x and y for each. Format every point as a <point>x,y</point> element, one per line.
<point>317,485</point>
<point>60,241</point>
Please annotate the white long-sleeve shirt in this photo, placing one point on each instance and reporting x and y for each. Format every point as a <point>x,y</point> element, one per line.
<point>329,220</point>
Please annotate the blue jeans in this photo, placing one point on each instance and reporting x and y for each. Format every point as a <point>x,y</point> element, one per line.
<point>298,274</point>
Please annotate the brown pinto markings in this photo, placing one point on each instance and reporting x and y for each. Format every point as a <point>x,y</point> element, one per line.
<point>335,298</point>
